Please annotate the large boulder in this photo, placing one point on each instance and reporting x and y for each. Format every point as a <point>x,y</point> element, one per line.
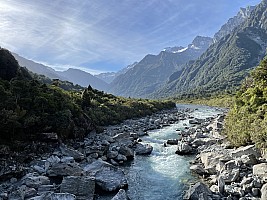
<point>249,159</point>
<point>107,177</point>
<point>197,169</point>
<point>197,192</point>
<point>260,170</point>
<point>183,148</point>
<point>63,169</point>
<point>121,195</point>
<point>221,185</point>
<point>212,161</point>
<point>142,149</point>
<point>83,187</point>
<point>230,171</point>
<point>95,166</point>
<point>112,154</point>
<point>110,179</point>
<point>126,151</point>
<point>247,150</point>
<point>33,180</point>
<point>264,192</point>
<point>71,152</point>
<point>123,139</point>
<point>55,196</point>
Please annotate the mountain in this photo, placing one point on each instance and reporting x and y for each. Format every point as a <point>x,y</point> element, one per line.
<point>226,62</point>
<point>73,75</point>
<point>83,78</point>
<point>153,70</point>
<point>29,108</point>
<point>37,67</point>
<point>108,77</point>
<point>232,23</point>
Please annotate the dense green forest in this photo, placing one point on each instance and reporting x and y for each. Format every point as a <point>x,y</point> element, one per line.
<point>32,104</point>
<point>222,100</point>
<point>246,122</point>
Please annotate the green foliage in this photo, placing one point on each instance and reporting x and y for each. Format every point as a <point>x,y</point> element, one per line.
<point>29,106</point>
<point>8,65</point>
<point>247,120</point>
<point>225,100</point>
<point>106,109</point>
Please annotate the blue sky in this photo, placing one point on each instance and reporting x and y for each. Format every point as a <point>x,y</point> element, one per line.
<point>107,35</point>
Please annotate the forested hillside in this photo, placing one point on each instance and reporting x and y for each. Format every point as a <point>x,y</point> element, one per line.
<point>247,120</point>
<point>29,107</point>
<point>226,63</point>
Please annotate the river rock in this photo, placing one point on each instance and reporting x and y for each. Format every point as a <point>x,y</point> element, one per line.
<point>246,180</point>
<point>30,192</point>
<point>112,154</point>
<point>249,159</point>
<point>121,157</point>
<point>63,169</point>
<point>230,172</point>
<point>33,180</point>
<point>55,196</point>
<point>264,192</point>
<point>194,121</point>
<point>213,161</point>
<point>172,141</point>
<point>142,149</point>
<point>196,190</point>
<point>15,171</point>
<point>67,159</point>
<point>110,179</point>
<point>260,170</point>
<point>126,151</point>
<point>233,190</point>
<point>107,177</point>
<point>221,184</point>
<point>122,137</point>
<point>121,195</point>
<point>197,169</point>
<point>92,168</point>
<point>71,152</point>
<point>247,150</point>
<point>83,187</point>
<point>183,148</point>
<point>39,169</point>
<point>46,188</point>
<point>17,195</point>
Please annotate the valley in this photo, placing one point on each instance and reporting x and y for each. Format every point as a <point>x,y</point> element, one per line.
<point>188,121</point>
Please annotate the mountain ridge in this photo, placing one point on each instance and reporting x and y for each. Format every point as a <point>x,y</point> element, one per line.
<point>153,70</point>
<point>88,79</point>
<point>225,63</point>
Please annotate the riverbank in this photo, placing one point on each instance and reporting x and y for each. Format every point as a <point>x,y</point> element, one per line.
<point>79,169</point>
<point>227,173</point>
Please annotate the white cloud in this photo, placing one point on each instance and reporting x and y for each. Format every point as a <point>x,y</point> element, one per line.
<point>77,32</point>
<point>59,67</point>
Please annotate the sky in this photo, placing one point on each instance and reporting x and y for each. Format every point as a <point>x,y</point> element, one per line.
<point>107,35</point>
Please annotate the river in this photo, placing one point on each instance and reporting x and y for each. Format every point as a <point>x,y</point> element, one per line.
<point>163,174</point>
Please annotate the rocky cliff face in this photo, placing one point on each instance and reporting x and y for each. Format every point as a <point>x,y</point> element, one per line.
<point>232,23</point>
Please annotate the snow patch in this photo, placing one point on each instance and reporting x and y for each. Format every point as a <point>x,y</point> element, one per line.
<point>181,50</point>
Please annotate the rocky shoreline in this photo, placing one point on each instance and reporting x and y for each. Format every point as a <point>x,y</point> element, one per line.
<point>224,172</point>
<point>88,168</point>
<point>78,169</point>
